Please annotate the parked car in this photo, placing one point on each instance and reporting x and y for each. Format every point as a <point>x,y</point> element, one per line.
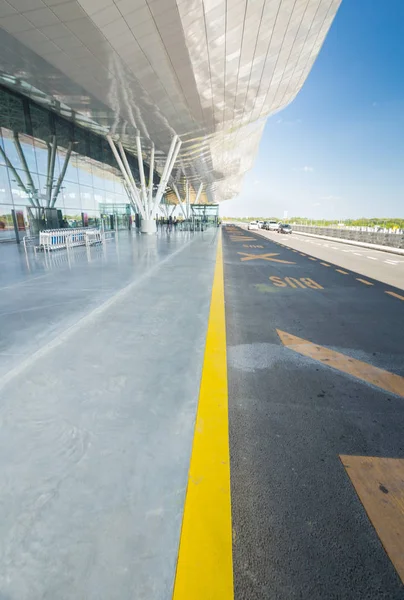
<point>284,228</point>
<point>260,224</point>
<point>253,225</point>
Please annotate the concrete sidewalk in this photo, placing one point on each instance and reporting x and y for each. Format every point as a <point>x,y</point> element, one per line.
<point>97,419</point>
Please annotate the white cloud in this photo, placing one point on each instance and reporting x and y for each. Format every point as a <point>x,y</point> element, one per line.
<point>305,169</point>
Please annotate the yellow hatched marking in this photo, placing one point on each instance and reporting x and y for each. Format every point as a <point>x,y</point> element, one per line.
<point>205,566</point>
<point>325,264</point>
<point>379,483</point>
<point>268,257</point>
<point>364,371</point>
<point>311,258</point>
<point>341,271</point>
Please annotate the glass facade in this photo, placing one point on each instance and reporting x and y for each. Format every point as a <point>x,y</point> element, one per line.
<point>49,162</point>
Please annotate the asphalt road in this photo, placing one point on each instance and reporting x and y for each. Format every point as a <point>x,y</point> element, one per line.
<point>299,528</point>
<point>384,266</point>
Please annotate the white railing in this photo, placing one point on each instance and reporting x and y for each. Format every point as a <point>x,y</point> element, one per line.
<point>56,239</point>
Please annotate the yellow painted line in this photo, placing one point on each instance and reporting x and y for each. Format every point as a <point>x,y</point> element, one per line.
<point>379,483</point>
<point>310,258</point>
<point>205,565</point>
<point>364,371</point>
<point>364,281</point>
<point>341,271</point>
<point>325,264</point>
<point>301,254</point>
<point>395,295</point>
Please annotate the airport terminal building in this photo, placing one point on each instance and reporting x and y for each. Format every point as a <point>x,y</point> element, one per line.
<point>74,72</point>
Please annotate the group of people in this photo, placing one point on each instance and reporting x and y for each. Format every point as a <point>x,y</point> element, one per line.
<point>170,223</point>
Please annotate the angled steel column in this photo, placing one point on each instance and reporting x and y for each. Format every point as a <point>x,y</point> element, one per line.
<point>179,201</point>
<point>198,194</point>
<point>126,175</point>
<point>151,175</point>
<point>168,167</point>
<point>24,162</point>
<point>187,197</point>
<point>62,175</point>
<point>51,170</point>
<point>137,198</point>
<point>18,179</point>
<point>143,190</point>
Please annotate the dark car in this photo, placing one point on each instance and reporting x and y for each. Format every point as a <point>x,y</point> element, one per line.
<point>284,228</point>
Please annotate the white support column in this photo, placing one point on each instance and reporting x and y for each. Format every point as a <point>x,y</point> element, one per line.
<point>126,175</point>
<point>187,197</point>
<point>143,198</point>
<point>168,167</point>
<point>134,188</point>
<point>179,201</point>
<point>151,175</point>
<point>143,190</point>
<point>198,194</point>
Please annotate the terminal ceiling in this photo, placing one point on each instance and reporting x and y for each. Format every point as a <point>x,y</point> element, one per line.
<point>210,71</point>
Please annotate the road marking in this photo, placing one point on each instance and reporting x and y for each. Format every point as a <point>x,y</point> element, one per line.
<point>311,258</point>
<point>205,566</point>
<point>325,264</point>
<point>267,257</point>
<point>364,281</point>
<point>391,262</point>
<point>335,248</point>
<point>251,246</point>
<point>357,253</point>
<point>341,271</point>
<point>293,282</point>
<point>395,295</point>
<point>379,483</point>
<point>371,258</point>
<point>364,371</point>
<point>301,254</point>
<point>242,239</point>
<point>346,251</point>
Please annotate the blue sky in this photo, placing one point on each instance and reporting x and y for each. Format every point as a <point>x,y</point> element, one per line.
<point>338,150</point>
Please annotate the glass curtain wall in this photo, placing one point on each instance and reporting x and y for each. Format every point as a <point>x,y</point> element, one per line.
<point>48,162</point>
